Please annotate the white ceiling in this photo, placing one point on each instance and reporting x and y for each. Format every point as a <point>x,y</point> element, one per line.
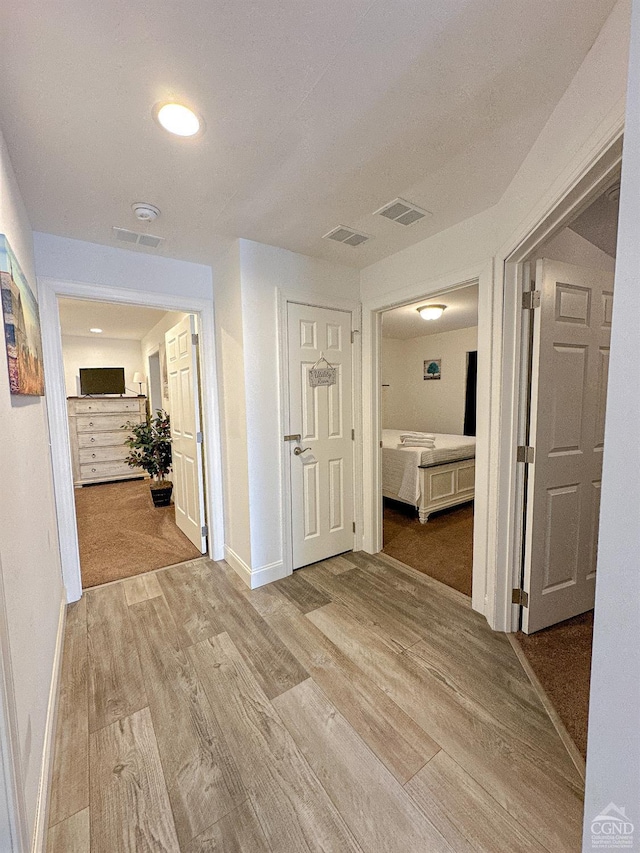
<point>461,313</point>
<point>316,113</point>
<point>126,322</point>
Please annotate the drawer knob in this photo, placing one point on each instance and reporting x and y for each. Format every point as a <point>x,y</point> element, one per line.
<point>93,439</point>
<point>93,455</point>
<point>94,470</point>
<point>90,423</point>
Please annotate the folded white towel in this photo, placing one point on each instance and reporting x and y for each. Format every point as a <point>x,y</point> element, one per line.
<point>418,442</point>
<point>411,435</point>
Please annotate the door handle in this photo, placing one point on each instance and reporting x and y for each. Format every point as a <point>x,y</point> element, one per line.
<point>298,450</point>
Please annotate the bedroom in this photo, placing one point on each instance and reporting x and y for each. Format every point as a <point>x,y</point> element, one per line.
<point>428,395</point>
<point>123,531</point>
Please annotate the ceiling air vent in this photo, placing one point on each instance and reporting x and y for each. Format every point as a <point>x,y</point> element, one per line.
<point>341,234</point>
<point>133,237</point>
<point>402,211</point>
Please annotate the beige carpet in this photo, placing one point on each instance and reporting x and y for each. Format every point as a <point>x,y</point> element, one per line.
<point>442,548</point>
<point>122,534</point>
<point>561,658</point>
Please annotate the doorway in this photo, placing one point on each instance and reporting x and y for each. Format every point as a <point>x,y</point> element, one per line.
<point>123,448</point>
<point>202,309</point>
<point>428,370</point>
<point>566,328</point>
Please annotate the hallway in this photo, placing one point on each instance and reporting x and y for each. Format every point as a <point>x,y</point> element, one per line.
<point>356,705</point>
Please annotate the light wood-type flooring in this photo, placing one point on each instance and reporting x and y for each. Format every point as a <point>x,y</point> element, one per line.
<point>355,706</point>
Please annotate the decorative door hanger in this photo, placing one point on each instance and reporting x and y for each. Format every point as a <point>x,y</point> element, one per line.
<point>319,375</point>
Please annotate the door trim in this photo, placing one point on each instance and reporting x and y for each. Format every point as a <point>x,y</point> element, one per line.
<point>317,300</point>
<point>597,173</point>
<point>48,291</point>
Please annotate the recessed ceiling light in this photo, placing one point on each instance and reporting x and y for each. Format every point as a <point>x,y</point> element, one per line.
<point>178,119</point>
<point>96,331</point>
<point>431,312</point>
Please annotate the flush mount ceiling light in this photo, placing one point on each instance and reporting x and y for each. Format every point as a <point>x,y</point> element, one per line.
<point>96,331</point>
<point>177,119</point>
<point>431,312</point>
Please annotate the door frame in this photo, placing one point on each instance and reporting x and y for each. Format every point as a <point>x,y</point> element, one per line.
<point>488,317</point>
<point>317,300</point>
<point>597,174</point>
<point>49,289</point>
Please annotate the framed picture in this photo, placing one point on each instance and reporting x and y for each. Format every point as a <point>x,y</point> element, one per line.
<point>432,368</point>
<point>21,326</point>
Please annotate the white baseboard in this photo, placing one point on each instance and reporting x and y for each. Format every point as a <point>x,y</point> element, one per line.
<point>238,565</point>
<point>255,578</point>
<point>39,841</point>
<point>268,574</point>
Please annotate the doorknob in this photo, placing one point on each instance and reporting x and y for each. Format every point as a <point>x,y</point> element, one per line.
<point>298,450</point>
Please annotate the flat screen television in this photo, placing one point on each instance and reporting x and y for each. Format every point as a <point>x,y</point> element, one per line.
<point>102,380</point>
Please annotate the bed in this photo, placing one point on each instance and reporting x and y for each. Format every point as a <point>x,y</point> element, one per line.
<point>429,479</point>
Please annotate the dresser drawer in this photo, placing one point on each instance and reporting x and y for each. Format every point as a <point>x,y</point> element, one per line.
<point>105,470</point>
<point>102,439</point>
<point>123,404</point>
<point>90,423</point>
<point>103,454</point>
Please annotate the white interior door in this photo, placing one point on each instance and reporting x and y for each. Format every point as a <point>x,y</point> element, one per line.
<point>322,474</point>
<point>568,399</point>
<point>186,435</point>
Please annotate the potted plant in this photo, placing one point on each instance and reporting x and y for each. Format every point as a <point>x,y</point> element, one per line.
<point>150,443</point>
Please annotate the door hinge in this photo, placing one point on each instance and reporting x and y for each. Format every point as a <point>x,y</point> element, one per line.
<point>520,597</point>
<point>198,438</point>
<point>194,340</point>
<point>525,454</point>
<point>530,300</point>
<point>353,435</point>
<point>354,333</point>
<point>380,444</point>
<point>354,526</point>
<point>205,529</point>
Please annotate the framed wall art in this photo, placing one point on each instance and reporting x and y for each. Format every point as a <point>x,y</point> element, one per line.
<point>432,368</point>
<point>21,326</point>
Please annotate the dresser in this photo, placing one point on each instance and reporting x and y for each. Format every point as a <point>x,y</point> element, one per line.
<point>98,450</point>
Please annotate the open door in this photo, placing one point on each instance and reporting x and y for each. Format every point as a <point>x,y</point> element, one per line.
<point>320,432</point>
<point>184,406</point>
<point>570,360</point>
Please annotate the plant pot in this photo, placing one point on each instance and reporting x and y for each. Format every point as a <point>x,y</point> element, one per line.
<point>161,495</point>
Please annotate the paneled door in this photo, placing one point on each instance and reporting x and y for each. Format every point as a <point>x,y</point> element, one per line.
<point>570,364</point>
<point>186,436</point>
<point>321,464</point>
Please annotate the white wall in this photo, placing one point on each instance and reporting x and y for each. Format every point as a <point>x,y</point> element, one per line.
<point>29,551</point>
<point>247,320</point>
<point>571,248</point>
<point>613,752</point>
<point>76,260</point>
<point>233,409</point>
<point>153,342</point>
<point>410,401</point>
<point>79,351</point>
<point>264,269</point>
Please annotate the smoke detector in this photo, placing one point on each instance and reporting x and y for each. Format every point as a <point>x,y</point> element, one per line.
<point>145,212</point>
